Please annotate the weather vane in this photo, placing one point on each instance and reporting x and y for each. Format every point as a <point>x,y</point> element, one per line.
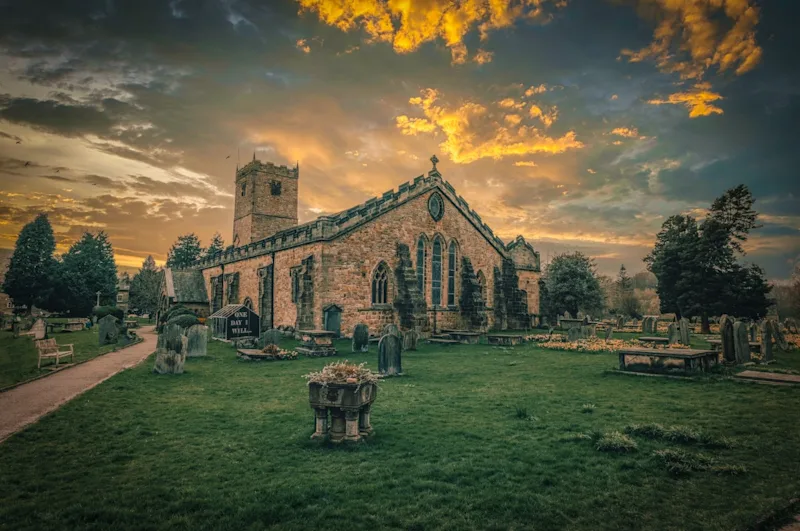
<point>434,160</point>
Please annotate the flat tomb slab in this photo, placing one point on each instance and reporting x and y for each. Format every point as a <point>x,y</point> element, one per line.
<point>253,354</point>
<point>505,340</point>
<point>668,353</point>
<point>770,376</point>
<point>435,341</point>
<point>469,338</point>
<point>650,339</point>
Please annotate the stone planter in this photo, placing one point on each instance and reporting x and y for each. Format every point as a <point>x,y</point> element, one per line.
<point>349,405</point>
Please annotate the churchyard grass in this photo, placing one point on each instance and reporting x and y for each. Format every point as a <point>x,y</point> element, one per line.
<point>472,437</point>
<point>18,357</point>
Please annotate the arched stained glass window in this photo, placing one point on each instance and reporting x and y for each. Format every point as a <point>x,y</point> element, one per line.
<point>451,274</point>
<point>380,285</point>
<point>436,277</point>
<point>422,252</point>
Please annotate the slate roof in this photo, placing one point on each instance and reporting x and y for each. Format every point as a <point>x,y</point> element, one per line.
<point>230,309</point>
<point>186,286</point>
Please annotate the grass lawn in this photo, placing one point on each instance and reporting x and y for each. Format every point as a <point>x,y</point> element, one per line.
<point>18,357</point>
<point>473,437</point>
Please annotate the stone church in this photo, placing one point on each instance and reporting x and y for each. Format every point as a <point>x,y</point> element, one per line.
<point>418,256</point>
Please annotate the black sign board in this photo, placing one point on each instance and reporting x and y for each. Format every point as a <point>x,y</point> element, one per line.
<point>235,321</point>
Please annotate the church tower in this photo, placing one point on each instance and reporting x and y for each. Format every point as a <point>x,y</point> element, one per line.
<point>266,201</point>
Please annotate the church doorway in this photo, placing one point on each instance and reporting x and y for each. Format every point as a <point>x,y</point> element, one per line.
<point>332,319</point>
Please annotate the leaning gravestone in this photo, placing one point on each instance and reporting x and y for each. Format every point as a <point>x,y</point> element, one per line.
<point>766,341</point>
<point>389,351</point>
<point>361,338</point>
<point>410,338</point>
<point>685,333</point>
<point>196,340</point>
<point>107,330</point>
<point>673,334</point>
<point>573,334</point>
<point>620,322</point>
<point>271,337</point>
<point>391,329</point>
<point>741,342</point>
<point>170,351</point>
<point>726,334</point>
<point>609,332</point>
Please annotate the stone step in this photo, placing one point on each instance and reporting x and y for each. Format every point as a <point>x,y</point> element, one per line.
<point>770,376</point>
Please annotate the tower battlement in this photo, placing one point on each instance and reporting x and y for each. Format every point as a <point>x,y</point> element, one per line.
<point>265,200</point>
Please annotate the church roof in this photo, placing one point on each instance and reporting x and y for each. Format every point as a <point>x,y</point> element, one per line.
<point>185,285</point>
<point>334,226</point>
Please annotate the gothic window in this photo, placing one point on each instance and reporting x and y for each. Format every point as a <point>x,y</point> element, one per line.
<point>482,285</point>
<point>295,273</point>
<point>275,187</point>
<point>244,189</point>
<point>436,277</point>
<point>451,274</point>
<point>380,285</point>
<point>422,254</point>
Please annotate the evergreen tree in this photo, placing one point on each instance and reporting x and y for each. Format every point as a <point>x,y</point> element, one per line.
<point>146,287</point>
<point>571,285</point>
<point>29,279</point>
<point>184,252</point>
<point>217,245</point>
<point>627,302</point>
<point>88,267</point>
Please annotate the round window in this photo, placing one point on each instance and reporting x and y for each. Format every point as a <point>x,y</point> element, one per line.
<point>436,206</point>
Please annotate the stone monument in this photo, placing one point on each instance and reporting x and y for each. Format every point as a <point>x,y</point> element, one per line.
<point>196,340</point>
<point>361,338</point>
<point>389,355</point>
<point>107,330</point>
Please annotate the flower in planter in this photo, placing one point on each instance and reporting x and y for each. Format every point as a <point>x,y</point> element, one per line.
<point>343,372</point>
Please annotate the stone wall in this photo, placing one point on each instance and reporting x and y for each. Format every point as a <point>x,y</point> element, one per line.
<point>529,282</point>
<point>269,203</point>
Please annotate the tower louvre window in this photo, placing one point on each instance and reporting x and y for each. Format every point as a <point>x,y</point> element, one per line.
<point>244,189</point>
<point>275,187</point>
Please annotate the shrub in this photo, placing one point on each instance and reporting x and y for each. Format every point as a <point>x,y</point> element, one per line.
<point>184,320</point>
<point>102,311</point>
<point>615,441</point>
<point>175,311</point>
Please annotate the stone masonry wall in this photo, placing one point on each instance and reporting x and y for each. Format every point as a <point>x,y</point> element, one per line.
<point>529,282</point>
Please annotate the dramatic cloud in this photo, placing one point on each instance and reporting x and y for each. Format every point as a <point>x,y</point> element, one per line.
<point>407,25</point>
<point>627,132</point>
<point>472,131</point>
<point>699,100</point>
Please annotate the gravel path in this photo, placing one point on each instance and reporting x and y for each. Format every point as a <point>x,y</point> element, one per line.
<point>29,402</point>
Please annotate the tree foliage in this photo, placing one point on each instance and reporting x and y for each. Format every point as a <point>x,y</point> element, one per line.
<point>30,275</point>
<point>571,284</point>
<point>696,266</point>
<point>88,267</point>
<point>217,245</point>
<point>627,302</point>
<point>145,287</point>
<point>184,252</point>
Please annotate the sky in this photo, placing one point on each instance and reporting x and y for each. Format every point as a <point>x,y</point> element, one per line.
<point>580,124</point>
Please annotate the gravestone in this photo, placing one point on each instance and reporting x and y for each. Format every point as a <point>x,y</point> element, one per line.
<point>361,338</point>
<point>673,334</point>
<point>580,315</point>
<point>685,333</point>
<point>635,322</point>
<point>38,329</point>
<point>391,329</point>
<point>108,331</point>
<point>587,331</point>
<point>741,342</point>
<point>389,355</point>
<point>16,326</point>
<point>609,332</point>
<point>567,315</point>
<point>170,350</point>
<point>573,334</point>
<point>410,339</point>
<point>780,338</point>
<point>645,325</point>
<point>728,345</point>
<point>620,322</point>
<point>766,341</point>
<point>197,340</point>
<point>270,337</point>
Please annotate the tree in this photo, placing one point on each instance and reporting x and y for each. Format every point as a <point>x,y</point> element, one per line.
<point>217,245</point>
<point>29,279</point>
<point>146,287</point>
<point>88,267</point>
<point>571,285</point>
<point>627,302</point>
<point>184,252</point>
<point>696,264</point>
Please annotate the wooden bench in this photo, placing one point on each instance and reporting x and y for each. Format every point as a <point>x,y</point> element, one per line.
<point>48,349</point>
<point>654,340</point>
<point>692,359</point>
<point>504,340</point>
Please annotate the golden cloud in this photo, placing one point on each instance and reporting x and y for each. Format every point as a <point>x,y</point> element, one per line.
<point>526,163</point>
<point>546,116</point>
<point>693,36</point>
<point>698,100</point>
<point>614,97</point>
<point>302,45</point>
<point>407,24</point>
<point>473,132</point>
<point>627,132</point>
<point>535,90</point>
<point>483,57</point>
